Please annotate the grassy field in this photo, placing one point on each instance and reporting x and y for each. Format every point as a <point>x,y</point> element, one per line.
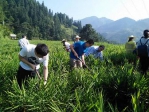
<point>113,85</point>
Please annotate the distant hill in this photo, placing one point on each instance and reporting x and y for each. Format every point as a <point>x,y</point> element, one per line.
<point>95,21</point>
<point>119,30</point>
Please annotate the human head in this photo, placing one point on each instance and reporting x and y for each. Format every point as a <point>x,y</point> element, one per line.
<point>146,33</point>
<point>101,48</point>
<point>23,36</point>
<point>131,37</point>
<point>77,38</point>
<point>64,40</point>
<point>41,50</point>
<point>89,43</point>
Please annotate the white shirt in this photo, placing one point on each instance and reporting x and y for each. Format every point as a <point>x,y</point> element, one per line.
<point>23,42</point>
<point>28,52</point>
<point>94,51</point>
<point>67,45</point>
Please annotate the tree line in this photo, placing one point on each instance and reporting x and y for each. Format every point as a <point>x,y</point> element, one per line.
<point>35,20</point>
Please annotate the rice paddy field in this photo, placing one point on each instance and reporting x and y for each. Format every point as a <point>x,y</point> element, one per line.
<point>113,85</point>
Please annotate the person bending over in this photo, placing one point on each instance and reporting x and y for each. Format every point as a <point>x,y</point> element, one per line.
<point>77,53</point>
<point>96,51</point>
<point>31,57</point>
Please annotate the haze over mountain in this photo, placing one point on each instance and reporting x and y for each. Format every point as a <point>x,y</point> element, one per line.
<point>93,20</point>
<point>118,30</point>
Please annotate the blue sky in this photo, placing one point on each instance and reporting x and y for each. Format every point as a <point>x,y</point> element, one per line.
<point>112,9</point>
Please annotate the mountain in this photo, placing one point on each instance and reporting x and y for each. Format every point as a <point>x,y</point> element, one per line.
<point>95,21</point>
<point>119,30</point>
<point>116,25</point>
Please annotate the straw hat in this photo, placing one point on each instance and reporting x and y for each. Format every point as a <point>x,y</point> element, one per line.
<point>63,40</point>
<point>77,36</point>
<point>131,36</point>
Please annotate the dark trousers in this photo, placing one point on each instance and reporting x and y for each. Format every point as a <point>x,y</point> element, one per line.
<point>144,61</point>
<point>23,75</point>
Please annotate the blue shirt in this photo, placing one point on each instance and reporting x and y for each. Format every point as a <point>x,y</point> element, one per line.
<point>80,48</point>
<point>94,51</point>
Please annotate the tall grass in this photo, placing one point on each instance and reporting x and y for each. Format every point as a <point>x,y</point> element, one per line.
<point>112,85</point>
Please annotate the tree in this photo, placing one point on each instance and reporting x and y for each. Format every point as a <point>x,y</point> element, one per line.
<point>78,25</point>
<point>88,32</point>
<point>35,20</point>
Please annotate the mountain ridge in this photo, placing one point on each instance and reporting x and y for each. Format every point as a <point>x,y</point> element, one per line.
<point>117,30</point>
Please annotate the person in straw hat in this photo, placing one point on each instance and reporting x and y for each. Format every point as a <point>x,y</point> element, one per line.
<point>66,45</point>
<point>77,38</point>
<point>130,46</point>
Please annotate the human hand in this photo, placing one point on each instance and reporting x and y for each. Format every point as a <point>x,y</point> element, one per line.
<point>45,82</point>
<point>33,67</point>
<point>84,66</point>
<point>83,62</point>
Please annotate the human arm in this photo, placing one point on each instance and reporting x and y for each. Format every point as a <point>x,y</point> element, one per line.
<point>83,60</point>
<point>45,68</point>
<point>72,49</point>
<point>22,55</point>
<point>135,45</point>
<point>100,55</point>
<point>45,73</point>
<point>27,62</point>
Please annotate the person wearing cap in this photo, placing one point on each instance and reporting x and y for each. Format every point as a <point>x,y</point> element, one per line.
<point>77,38</point>
<point>77,53</point>
<point>130,46</point>
<point>66,45</point>
<point>96,51</point>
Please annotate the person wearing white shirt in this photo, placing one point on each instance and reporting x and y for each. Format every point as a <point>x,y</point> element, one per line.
<point>96,51</point>
<point>23,42</point>
<point>66,45</point>
<point>30,58</point>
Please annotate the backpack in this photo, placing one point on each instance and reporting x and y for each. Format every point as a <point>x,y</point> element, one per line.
<point>143,49</point>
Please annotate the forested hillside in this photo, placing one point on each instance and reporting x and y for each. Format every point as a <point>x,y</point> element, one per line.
<point>35,20</point>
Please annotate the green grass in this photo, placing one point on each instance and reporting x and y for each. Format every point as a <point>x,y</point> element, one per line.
<point>113,85</point>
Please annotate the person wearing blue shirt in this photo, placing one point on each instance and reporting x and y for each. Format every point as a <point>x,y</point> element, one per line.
<point>96,51</point>
<point>77,53</point>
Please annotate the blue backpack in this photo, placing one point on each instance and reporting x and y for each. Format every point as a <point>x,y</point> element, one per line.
<point>143,49</point>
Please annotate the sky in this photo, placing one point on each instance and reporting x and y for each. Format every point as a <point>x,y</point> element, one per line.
<point>111,9</point>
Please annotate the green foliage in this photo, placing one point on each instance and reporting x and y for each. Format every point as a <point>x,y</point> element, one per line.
<point>109,85</point>
<point>36,21</point>
<point>88,32</point>
<point>4,32</point>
